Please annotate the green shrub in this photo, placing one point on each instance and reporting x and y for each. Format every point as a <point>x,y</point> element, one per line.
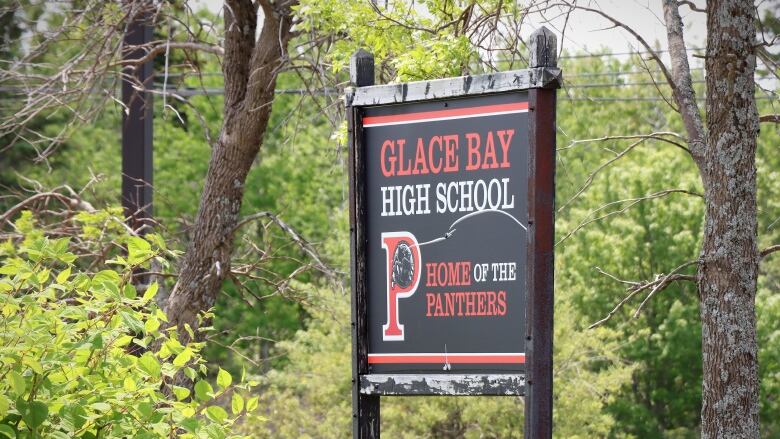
<point>76,357</point>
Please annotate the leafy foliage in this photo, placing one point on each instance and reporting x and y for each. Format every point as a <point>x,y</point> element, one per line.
<point>74,350</point>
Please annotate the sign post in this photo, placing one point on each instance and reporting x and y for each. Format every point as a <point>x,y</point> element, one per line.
<point>451,215</point>
<point>137,119</point>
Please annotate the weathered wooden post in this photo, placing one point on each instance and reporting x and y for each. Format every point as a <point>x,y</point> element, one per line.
<point>137,118</point>
<point>541,228</point>
<point>365,416</point>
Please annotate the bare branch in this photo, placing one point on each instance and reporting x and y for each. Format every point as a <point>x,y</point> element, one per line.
<point>661,282</point>
<point>592,176</point>
<point>658,284</point>
<point>682,87</point>
<point>769,250</point>
<point>70,203</point>
<point>161,48</point>
<point>691,5</point>
<point>300,241</point>
<point>617,23</point>
<point>655,136</point>
<point>771,118</point>
<point>632,202</point>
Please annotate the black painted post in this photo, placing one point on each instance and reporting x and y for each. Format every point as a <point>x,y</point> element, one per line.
<point>137,118</point>
<point>541,210</point>
<point>365,408</point>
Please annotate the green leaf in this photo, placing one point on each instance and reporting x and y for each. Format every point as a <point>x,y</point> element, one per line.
<point>190,424</point>
<point>146,409</point>
<point>63,276</point>
<point>130,291</point>
<point>251,404</point>
<point>129,384</point>
<point>149,365</point>
<point>17,383</point>
<point>223,378</point>
<point>34,413</point>
<point>4,404</point>
<point>216,413</point>
<point>97,341</point>
<point>151,325</point>
<point>106,276</point>
<point>101,407</point>
<point>138,250</point>
<point>33,364</point>
<point>7,432</point>
<point>181,393</point>
<point>9,270</point>
<point>237,403</point>
<point>203,390</point>
<point>150,292</point>
<point>132,322</point>
<point>59,246</point>
<point>123,340</point>
<point>189,330</point>
<point>183,357</point>
<point>74,414</point>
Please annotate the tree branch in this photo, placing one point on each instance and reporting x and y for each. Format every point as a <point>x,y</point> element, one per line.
<point>691,5</point>
<point>632,202</point>
<point>660,283</point>
<point>772,118</point>
<point>240,26</point>
<point>297,238</point>
<point>592,176</point>
<point>655,136</point>
<point>70,203</point>
<point>769,250</point>
<point>639,38</point>
<point>159,49</point>
<point>270,52</point>
<point>682,88</point>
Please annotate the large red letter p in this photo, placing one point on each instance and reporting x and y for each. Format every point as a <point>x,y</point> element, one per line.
<point>403,276</point>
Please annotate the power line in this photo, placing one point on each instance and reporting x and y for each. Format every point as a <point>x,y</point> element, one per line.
<point>629,72</point>
<point>635,52</point>
<point>186,92</point>
<point>643,99</point>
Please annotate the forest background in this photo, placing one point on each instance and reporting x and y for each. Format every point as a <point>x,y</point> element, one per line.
<point>288,332</point>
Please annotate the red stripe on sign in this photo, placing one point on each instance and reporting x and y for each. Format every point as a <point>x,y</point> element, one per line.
<point>441,358</point>
<point>441,114</point>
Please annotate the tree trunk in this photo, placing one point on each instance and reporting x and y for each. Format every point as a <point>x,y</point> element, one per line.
<point>729,256</point>
<point>250,70</point>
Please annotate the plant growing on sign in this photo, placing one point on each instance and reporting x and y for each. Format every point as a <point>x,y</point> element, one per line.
<point>451,207</point>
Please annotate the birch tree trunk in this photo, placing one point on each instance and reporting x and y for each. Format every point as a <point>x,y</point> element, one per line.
<point>729,256</point>
<point>250,70</point>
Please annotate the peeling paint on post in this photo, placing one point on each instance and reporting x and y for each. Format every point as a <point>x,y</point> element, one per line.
<point>365,408</point>
<point>541,210</point>
<point>446,385</point>
<point>462,332</point>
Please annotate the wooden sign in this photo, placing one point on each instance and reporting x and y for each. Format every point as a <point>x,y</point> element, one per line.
<point>452,197</point>
<point>446,213</point>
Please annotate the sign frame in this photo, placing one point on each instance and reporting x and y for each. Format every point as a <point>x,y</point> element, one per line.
<point>540,81</point>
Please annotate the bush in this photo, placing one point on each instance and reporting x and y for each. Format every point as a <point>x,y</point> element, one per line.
<point>75,350</point>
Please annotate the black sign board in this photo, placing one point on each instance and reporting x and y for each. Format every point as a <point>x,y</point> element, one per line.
<point>446,186</point>
<point>451,214</point>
